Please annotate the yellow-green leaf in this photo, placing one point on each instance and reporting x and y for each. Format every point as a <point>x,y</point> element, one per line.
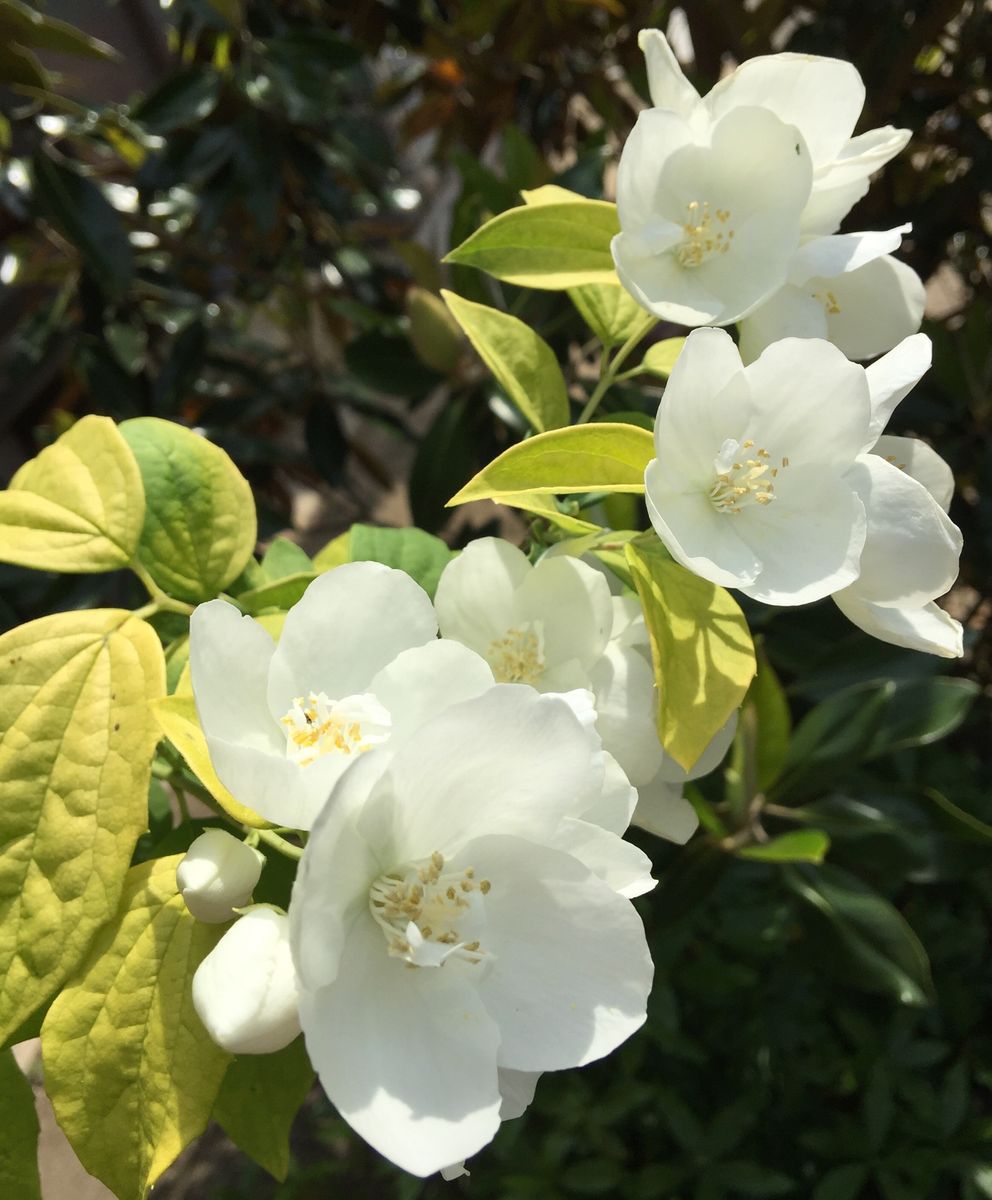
<point>603,457</point>
<point>336,552</point>
<point>78,507</point>
<point>611,312</point>
<point>551,193</point>
<point>18,1134</point>
<point>260,1096</point>
<point>199,530</point>
<point>550,246</point>
<point>433,334</point>
<point>130,1070</point>
<point>75,759</point>
<point>798,845</point>
<point>523,363</point>
<point>701,649</point>
<point>661,357</point>
<point>281,594</point>
<point>177,719</point>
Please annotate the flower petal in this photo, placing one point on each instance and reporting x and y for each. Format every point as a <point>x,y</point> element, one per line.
<point>408,1057</point>
<point>920,462</point>
<point>517,1089</point>
<point>619,864</point>
<point>573,602</point>
<point>664,811</point>
<point>871,310</point>
<point>790,313</point>
<point>571,971</point>
<point>912,548</point>
<point>229,658</point>
<point>623,683</point>
<point>657,134</point>
<point>929,628</point>
<point>476,595</point>
<point>667,83</point>
<point>893,377</point>
<point>349,624</point>
<point>833,255</point>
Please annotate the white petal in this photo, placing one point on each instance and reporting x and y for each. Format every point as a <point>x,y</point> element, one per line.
<point>611,809</point>
<point>702,539</point>
<point>422,682</point>
<point>229,658</point>
<point>245,991</point>
<point>806,553</point>
<point>476,594</point>
<point>829,256</point>
<point>657,134</point>
<point>893,376</point>
<point>790,313</point>
<point>828,206</point>
<point>573,602</point>
<point>218,874</point>
<point>349,624</point>
<point>408,1057</point>
<point>863,155</point>
<point>623,683</point>
<point>663,811</point>
<point>912,548</point>
<point>572,971</point>
<point>517,1089</point>
<point>509,761</point>
<point>920,462</point>
<point>871,310</point>
<point>822,97</point>
<point>929,628</point>
<point>667,83</point>
<point>619,864</point>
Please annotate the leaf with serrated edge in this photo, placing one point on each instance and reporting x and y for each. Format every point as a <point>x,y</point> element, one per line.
<point>523,363</point>
<point>78,507</point>
<point>75,759</point>
<point>701,649</point>
<point>258,1100</point>
<point>604,457</point>
<point>199,529</point>
<point>18,1134</point>
<point>129,1069</point>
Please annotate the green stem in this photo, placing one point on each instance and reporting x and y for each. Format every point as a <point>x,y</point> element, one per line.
<point>160,601</point>
<point>278,843</point>
<point>609,374</point>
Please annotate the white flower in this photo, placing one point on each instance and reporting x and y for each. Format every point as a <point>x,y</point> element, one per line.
<point>912,547</point>
<point>517,1091</point>
<point>440,932</point>
<point>749,486</point>
<point>357,666</point>
<point>709,211</point>
<point>847,289</point>
<point>821,97</point>
<point>217,875</point>
<point>245,990</point>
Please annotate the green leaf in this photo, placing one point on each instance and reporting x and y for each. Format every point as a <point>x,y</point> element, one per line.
<point>129,1069</point>
<point>280,595</point>
<point>798,845</point>
<point>966,824</point>
<point>260,1096</point>
<point>548,246</point>
<point>611,312</point>
<point>923,711</point>
<point>78,507</point>
<point>773,721</point>
<point>880,950</point>
<point>199,529</point>
<point>690,879</point>
<point>752,1179</point>
<point>877,1107</point>
<point>336,552</point>
<point>660,358</point>
<point>75,760</point>
<point>421,555</point>
<point>523,363</point>
<point>701,649</point>
<point>18,1134</point>
<point>284,558</point>
<point>842,1183</point>
<point>435,336</point>
<point>186,98</point>
<point>21,23</point>
<point>77,207</point>
<point>581,458</point>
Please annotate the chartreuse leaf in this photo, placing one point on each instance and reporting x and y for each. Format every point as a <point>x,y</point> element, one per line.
<point>421,555</point>
<point>551,246</point>
<point>18,1134</point>
<point>523,363</point>
<point>879,952</point>
<point>284,558</point>
<point>199,529</point>
<point>129,1069</point>
<point>77,507</point>
<point>75,760</point>
<point>336,552</point>
<point>799,845</point>
<point>611,312</point>
<point>660,358</point>
<point>260,1096</point>
<point>603,457</point>
<point>701,649</point>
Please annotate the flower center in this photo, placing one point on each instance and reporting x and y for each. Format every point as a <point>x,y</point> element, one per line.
<point>428,914</point>
<point>829,302</point>
<point>319,725</point>
<point>518,656</point>
<point>707,233</point>
<point>743,476</point>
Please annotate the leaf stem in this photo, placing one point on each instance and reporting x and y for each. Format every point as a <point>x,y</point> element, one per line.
<point>160,601</point>
<point>277,843</point>
<point>609,373</point>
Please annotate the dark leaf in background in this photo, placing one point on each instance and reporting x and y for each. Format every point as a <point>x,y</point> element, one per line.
<point>326,442</point>
<point>449,455</point>
<point>184,99</point>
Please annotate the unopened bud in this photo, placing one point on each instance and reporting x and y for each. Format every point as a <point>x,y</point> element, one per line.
<point>218,875</point>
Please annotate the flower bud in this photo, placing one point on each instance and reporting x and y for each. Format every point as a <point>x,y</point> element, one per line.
<point>244,991</point>
<point>218,875</point>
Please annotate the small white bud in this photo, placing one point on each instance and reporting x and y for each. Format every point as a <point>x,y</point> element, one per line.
<point>218,875</point>
<point>245,991</point>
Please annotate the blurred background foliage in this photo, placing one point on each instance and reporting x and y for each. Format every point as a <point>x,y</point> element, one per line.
<point>231,213</point>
